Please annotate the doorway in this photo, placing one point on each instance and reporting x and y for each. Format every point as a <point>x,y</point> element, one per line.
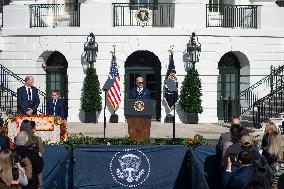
<point>228,89</point>
<point>147,65</point>
<point>56,77</point>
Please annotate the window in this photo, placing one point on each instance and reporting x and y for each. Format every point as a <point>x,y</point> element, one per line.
<point>134,4</point>
<point>215,5</point>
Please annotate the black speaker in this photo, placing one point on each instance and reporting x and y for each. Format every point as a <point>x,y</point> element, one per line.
<point>113,118</point>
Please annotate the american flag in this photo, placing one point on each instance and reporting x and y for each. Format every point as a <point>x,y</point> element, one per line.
<point>114,94</point>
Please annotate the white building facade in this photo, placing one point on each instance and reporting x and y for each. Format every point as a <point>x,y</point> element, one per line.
<point>239,45</point>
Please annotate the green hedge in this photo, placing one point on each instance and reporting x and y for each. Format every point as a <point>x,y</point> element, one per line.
<point>79,139</point>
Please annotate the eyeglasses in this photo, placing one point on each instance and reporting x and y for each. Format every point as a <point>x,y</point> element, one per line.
<point>140,82</point>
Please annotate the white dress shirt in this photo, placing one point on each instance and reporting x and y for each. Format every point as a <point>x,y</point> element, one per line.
<point>27,89</point>
<point>139,90</point>
<point>54,101</point>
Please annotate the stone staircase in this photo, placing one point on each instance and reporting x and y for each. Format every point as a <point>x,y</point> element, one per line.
<point>269,108</point>
<point>8,102</point>
<point>263,100</point>
<point>8,95</point>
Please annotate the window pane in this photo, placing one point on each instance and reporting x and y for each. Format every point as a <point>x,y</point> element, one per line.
<point>233,86</point>
<point>219,78</point>
<point>233,77</point>
<point>52,77</point>
<point>228,78</point>
<point>52,85</point>
<point>57,86</point>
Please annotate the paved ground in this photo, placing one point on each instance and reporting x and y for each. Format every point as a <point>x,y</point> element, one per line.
<point>158,130</point>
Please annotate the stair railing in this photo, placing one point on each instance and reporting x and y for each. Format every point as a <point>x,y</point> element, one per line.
<point>260,89</point>
<point>9,81</point>
<point>7,100</point>
<point>268,106</point>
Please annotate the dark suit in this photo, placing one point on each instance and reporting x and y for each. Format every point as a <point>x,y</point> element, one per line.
<point>144,94</point>
<point>59,108</point>
<point>239,177</point>
<point>23,103</point>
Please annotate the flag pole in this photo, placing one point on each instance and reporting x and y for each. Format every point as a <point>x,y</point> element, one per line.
<point>105,116</point>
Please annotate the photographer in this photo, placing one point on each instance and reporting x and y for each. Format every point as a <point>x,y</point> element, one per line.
<point>12,174</point>
<point>238,178</point>
<point>23,148</point>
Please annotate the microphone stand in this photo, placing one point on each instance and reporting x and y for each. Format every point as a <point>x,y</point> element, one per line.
<point>105,115</point>
<point>107,86</point>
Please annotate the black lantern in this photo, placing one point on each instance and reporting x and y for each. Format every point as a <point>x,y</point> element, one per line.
<point>91,49</point>
<point>193,49</point>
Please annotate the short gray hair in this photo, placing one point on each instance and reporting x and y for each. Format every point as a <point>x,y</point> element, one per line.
<point>22,138</point>
<point>139,78</point>
<point>28,78</point>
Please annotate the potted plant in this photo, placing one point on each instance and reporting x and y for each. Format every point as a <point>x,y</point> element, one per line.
<point>91,100</point>
<point>190,96</point>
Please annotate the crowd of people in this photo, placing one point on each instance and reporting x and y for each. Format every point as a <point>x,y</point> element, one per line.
<point>21,161</point>
<point>249,164</point>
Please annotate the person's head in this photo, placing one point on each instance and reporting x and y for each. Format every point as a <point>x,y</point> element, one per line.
<point>236,121</point>
<point>29,80</point>
<point>262,175</point>
<point>6,166</point>
<point>246,141</point>
<point>242,131</point>
<point>245,157</point>
<point>55,94</point>
<point>270,127</point>
<point>22,139</point>
<point>255,185</point>
<point>139,82</point>
<point>25,123</point>
<point>33,124</point>
<point>29,130</point>
<point>234,133</point>
<point>276,146</point>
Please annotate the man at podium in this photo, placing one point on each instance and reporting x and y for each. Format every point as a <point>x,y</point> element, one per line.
<point>138,112</point>
<point>139,92</point>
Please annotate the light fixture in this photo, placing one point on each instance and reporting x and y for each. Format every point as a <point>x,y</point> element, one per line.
<point>91,49</point>
<point>193,49</point>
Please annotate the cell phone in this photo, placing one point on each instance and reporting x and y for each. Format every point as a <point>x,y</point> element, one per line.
<point>15,173</point>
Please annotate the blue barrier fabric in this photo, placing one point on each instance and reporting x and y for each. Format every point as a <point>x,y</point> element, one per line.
<point>58,164</point>
<point>210,165</point>
<point>197,177</point>
<point>147,167</point>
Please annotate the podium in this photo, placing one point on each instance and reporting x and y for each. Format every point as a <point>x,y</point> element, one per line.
<point>138,113</point>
